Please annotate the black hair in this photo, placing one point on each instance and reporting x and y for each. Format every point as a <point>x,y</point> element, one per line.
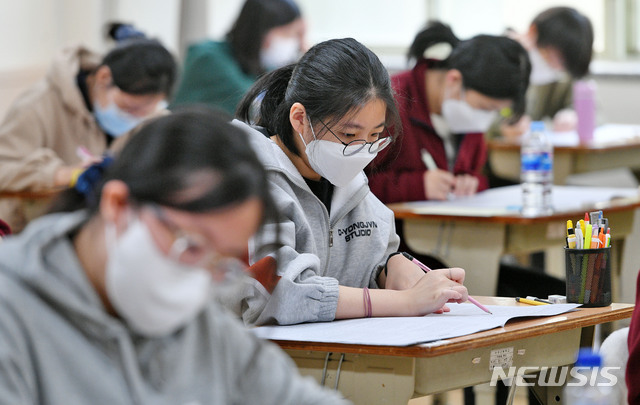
<point>192,160</point>
<point>571,33</point>
<point>334,78</point>
<point>256,18</point>
<point>495,66</point>
<point>139,65</point>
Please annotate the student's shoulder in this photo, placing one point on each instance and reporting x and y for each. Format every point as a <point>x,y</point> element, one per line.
<point>213,50</point>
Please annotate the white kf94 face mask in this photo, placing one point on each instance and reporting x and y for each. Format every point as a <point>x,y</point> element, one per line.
<point>462,118</point>
<point>328,160</point>
<point>153,293</point>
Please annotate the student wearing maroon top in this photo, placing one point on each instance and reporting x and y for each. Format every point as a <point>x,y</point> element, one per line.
<point>445,106</point>
<point>632,375</point>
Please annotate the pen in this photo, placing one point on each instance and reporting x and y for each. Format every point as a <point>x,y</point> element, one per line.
<point>83,153</point>
<point>530,302</point>
<point>427,269</point>
<point>427,159</point>
<point>538,299</point>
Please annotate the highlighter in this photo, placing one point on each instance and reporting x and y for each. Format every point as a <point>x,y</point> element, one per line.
<point>587,236</point>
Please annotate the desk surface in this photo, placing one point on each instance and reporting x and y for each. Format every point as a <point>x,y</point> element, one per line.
<point>500,205</point>
<point>609,137</point>
<point>41,194</point>
<point>615,147</point>
<point>514,330</point>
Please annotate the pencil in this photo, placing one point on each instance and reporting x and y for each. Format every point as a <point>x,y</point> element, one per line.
<point>530,302</point>
<point>425,268</point>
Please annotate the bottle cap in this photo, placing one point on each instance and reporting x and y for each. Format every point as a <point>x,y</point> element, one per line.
<point>537,126</point>
<point>584,88</point>
<point>588,358</point>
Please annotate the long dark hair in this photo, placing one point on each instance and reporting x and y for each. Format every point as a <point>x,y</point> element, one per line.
<point>256,18</point>
<point>139,65</point>
<point>334,78</point>
<point>195,149</point>
<point>495,66</point>
<point>571,33</point>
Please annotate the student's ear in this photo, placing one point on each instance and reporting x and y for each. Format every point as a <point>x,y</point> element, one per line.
<point>532,34</point>
<point>103,76</point>
<point>453,82</point>
<point>114,202</point>
<point>298,117</point>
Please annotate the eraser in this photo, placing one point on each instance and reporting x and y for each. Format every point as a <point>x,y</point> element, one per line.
<point>557,299</point>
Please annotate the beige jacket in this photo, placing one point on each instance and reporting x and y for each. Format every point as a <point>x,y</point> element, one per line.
<point>41,132</point>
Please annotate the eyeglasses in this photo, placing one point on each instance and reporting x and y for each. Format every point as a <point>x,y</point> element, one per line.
<point>195,250</point>
<point>355,146</point>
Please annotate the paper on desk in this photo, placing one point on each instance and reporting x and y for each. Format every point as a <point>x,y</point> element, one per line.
<point>463,319</point>
<point>506,201</point>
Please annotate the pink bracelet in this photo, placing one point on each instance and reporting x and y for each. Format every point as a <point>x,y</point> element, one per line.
<point>367,303</point>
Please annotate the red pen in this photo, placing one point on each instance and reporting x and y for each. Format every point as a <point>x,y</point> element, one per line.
<point>426,269</point>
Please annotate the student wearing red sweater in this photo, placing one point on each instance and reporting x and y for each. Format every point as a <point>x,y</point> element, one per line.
<point>633,363</point>
<point>446,105</point>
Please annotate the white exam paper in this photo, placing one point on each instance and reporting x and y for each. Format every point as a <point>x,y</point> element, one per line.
<point>463,319</point>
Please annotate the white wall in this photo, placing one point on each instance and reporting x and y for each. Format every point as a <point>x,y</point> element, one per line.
<point>33,30</point>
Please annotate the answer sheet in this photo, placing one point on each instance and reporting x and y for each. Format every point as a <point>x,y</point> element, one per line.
<point>463,319</point>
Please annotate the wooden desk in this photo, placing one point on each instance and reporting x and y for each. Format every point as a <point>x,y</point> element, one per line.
<point>19,207</point>
<point>477,239</point>
<point>614,146</point>
<point>393,375</point>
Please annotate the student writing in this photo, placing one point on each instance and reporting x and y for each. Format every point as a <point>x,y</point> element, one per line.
<point>446,104</point>
<point>84,101</point>
<point>322,121</point>
<point>113,303</point>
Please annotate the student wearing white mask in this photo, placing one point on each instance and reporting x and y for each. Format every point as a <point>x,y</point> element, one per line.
<point>266,35</point>
<point>86,102</point>
<point>447,101</point>
<point>560,45</point>
<point>113,303</point>
<point>320,122</point>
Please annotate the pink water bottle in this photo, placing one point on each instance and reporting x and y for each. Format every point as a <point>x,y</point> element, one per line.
<point>584,103</point>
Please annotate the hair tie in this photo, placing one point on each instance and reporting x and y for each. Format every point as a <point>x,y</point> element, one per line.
<point>91,176</point>
<point>439,51</point>
<point>126,31</point>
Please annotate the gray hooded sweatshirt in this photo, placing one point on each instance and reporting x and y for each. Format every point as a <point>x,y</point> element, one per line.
<point>321,251</point>
<point>58,345</point>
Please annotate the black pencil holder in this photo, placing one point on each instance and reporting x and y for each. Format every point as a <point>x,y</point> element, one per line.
<point>588,276</point>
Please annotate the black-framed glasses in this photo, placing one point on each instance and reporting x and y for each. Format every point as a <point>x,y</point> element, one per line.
<point>355,146</point>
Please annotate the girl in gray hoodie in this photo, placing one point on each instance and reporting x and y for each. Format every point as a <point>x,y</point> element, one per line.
<point>322,120</point>
<point>113,305</point>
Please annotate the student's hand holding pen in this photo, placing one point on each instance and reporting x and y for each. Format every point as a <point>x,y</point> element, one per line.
<point>438,184</point>
<point>435,289</point>
<point>465,185</point>
<point>64,175</point>
<point>426,290</point>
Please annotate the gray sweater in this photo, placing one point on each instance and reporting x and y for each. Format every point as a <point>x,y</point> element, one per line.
<point>58,346</point>
<point>320,251</point>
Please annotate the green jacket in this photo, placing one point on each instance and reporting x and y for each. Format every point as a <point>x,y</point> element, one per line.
<point>211,75</point>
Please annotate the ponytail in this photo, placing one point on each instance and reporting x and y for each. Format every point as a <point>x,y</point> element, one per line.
<point>435,33</point>
<point>269,92</point>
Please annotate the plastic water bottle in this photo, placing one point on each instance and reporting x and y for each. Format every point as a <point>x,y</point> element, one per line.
<point>536,171</point>
<point>584,103</point>
<point>588,384</point>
